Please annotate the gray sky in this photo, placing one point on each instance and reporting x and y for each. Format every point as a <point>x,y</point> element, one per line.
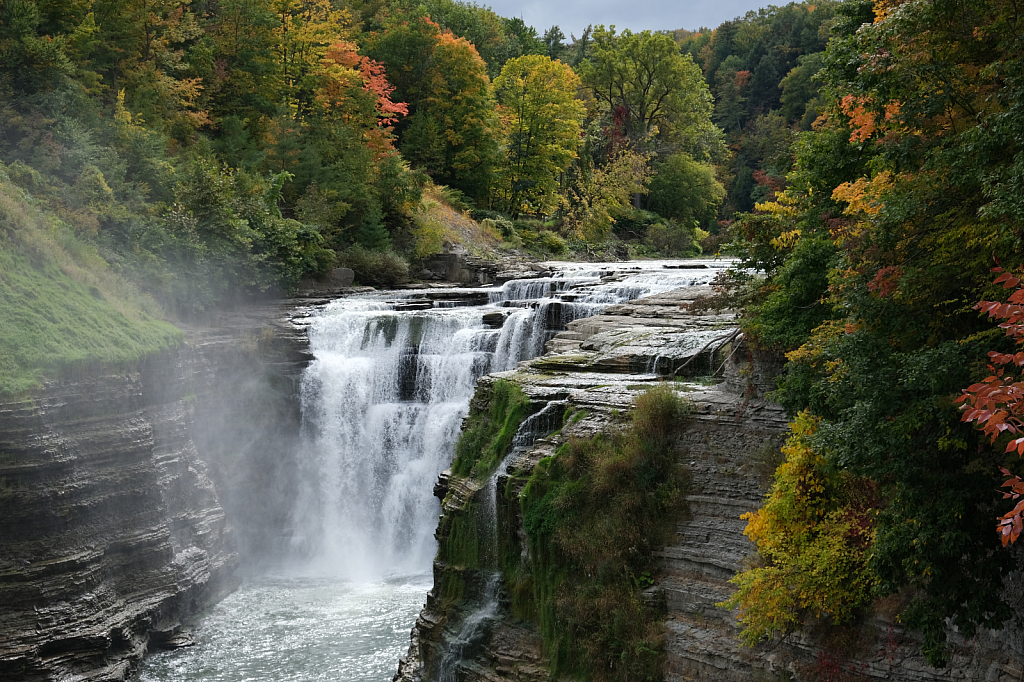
<point>572,16</point>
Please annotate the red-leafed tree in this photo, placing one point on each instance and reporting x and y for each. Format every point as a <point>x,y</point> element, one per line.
<point>996,404</point>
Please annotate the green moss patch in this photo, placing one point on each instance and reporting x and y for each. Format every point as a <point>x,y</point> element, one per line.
<point>594,514</point>
<point>489,430</point>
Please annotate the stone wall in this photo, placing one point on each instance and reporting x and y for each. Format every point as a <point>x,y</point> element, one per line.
<point>122,509</point>
<point>111,531</point>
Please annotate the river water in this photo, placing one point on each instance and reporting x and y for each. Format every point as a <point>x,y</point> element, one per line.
<point>382,404</point>
<point>299,629</point>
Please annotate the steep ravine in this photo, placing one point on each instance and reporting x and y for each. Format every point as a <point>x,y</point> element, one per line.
<point>112,533</point>
<point>723,444</point>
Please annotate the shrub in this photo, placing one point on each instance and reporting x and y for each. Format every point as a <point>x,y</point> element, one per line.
<point>594,514</point>
<point>375,267</point>
<point>552,243</point>
<point>814,534</point>
<point>428,236</point>
<point>673,239</point>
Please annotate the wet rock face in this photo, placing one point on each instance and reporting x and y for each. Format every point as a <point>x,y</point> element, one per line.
<point>124,502</point>
<point>599,364</point>
<point>110,529</point>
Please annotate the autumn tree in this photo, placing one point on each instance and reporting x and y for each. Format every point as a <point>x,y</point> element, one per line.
<point>306,29</point>
<point>453,134</point>
<point>875,253</point>
<point>596,194</point>
<point>540,119</point>
<point>996,404</point>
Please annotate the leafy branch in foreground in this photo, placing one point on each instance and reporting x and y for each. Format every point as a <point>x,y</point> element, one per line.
<point>996,404</point>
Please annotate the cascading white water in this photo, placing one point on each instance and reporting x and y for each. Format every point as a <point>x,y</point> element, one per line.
<point>382,405</point>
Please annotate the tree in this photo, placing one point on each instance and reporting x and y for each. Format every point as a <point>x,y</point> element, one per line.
<point>596,194</point>
<point>996,404</point>
<point>553,45</point>
<point>306,29</point>
<point>685,190</point>
<point>541,119</point>
<point>453,133</point>
<point>895,203</point>
<point>649,87</point>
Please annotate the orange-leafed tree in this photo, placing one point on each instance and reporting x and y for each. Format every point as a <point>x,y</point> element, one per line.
<point>354,90</point>
<point>996,404</point>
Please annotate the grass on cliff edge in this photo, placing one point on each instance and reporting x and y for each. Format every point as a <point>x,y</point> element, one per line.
<point>61,310</point>
<point>594,514</point>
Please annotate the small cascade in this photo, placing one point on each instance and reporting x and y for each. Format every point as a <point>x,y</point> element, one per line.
<point>473,632</point>
<point>537,425</point>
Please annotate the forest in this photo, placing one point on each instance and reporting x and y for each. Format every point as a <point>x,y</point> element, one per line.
<point>864,159</point>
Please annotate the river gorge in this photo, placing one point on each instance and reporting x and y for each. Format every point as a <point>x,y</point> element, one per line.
<point>263,503</point>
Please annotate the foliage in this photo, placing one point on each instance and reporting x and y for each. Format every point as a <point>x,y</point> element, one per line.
<point>685,190</point>
<point>814,533</point>
<point>997,402</point>
<point>762,67</point>
<point>596,196</point>
<point>454,134</point>
<point>650,88</point>
<point>671,238</point>
<point>875,252</point>
<point>593,515</point>
<point>64,310</point>
<point>451,132</point>
<point>541,118</point>
<point>375,267</point>
<point>498,39</point>
<point>489,430</point>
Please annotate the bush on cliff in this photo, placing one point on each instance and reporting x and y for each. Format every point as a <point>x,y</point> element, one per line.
<point>593,514</point>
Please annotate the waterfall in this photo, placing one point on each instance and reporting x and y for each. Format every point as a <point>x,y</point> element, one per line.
<point>384,398</point>
<point>382,405</point>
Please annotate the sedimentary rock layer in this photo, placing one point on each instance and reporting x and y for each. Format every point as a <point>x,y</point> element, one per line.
<point>727,444</point>
<point>112,533</point>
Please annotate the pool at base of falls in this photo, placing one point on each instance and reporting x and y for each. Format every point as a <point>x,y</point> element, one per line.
<point>299,629</point>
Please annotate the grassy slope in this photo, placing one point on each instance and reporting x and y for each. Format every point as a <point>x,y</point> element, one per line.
<point>61,310</point>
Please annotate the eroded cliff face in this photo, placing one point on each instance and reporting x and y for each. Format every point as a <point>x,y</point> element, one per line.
<point>112,533</point>
<point>726,444</point>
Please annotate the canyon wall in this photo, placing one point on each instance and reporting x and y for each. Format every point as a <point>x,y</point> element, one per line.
<point>728,445</point>
<point>112,533</point>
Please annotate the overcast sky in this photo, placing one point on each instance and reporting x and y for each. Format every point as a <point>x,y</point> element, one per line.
<point>572,16</point>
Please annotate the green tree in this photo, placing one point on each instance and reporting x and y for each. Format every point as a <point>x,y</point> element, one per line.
<point>453,134</point>
<point>685,190</point>
<point>649,87</point>
<point>541,120</point>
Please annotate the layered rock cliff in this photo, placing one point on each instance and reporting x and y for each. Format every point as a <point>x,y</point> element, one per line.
<point>112,534</point>
<point>729,446</point>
